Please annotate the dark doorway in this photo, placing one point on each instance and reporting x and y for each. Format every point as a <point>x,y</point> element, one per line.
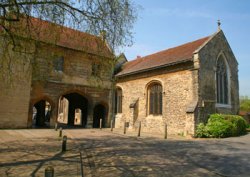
<point>41,114</point>
<point>77,109</point>
<point>99,113</point>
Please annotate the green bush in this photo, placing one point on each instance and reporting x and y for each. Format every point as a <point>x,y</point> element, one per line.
<point>221,125</point>
<point>239,124</point>
<point>201,131</point>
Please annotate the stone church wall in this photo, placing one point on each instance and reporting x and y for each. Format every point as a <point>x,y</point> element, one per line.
<point>207,78</point>
<point>178,95</point>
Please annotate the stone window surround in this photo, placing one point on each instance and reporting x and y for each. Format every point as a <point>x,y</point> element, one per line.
<point>148,85</point>
<point>220,105</point>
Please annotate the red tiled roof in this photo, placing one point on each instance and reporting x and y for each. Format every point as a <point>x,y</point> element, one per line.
<point>170,56</point>
<point>52,33</point>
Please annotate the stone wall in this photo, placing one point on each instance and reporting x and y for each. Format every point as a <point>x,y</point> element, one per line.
<point>178,95</point>
<point>15,85</point>
<point>208,55</point>
<point>77,67</point>
<point>40,81</point>
<point>76,77</point>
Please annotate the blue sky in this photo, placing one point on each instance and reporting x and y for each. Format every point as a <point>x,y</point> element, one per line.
<point>167,23</point>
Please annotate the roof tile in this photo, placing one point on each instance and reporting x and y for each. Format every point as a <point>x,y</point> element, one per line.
<point>37,29</point>
<point>170,56</point>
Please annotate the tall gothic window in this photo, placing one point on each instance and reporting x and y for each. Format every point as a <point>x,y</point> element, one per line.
<point>222,81</point>
<point>118,100</point>
<point>155,99</point>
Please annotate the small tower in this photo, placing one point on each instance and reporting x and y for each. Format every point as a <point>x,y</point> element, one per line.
<point>219,23</point>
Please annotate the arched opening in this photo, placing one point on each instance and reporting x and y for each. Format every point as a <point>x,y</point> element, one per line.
<point>73,110</point>
<point>154,92</point>
<point>99,113</point>
<point>222,81</point>
<point>118,100</point>
<point>41,114</point>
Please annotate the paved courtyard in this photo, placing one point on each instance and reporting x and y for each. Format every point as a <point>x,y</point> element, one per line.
<point>100,153</point>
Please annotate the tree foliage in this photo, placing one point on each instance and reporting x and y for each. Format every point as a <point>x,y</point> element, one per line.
<point>116,17</point>
<point>245,104</point>
<point>112,18</point>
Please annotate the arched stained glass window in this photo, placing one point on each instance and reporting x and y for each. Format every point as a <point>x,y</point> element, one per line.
<point>222,81</point>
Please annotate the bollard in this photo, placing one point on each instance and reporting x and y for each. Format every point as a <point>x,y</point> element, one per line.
<point>111,125</point>
<point>49,171</point>
<point>60,132</point>
<point>139,130</point>
<point>64,143</point>
<point>124,132</point>
<point>166,132</point>
<point>100,124</point>
<point>55,126</point>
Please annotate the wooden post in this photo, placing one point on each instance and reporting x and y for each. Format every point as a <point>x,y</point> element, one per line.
<point>111,125</point>
<point>124,128</point>
<point>56,126</point>
<point>60,132</point>
<point>139,130</point>
<point>166,132</point>
<point>64,143</point>
<point>49,171</point>
<point>100,124</point>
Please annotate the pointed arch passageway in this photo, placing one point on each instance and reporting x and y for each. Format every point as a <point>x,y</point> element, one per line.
<point>41,114</point>
<point>73,110</point>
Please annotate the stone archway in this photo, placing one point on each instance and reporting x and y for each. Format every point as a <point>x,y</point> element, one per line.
<point>41,114</point>
<point>73,110</point>
<point>100,112</point>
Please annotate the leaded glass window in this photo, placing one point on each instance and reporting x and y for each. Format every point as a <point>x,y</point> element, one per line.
<point>155,99</point>
<point>222,82</point>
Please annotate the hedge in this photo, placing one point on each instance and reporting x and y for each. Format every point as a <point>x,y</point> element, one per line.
<point>221,126</point>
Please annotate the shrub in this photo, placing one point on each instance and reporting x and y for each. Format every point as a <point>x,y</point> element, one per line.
<point>239,124</point>
<point>201,131</point>
<point>221,125</point>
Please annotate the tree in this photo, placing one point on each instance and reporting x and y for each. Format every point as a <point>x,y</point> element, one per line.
<point>245,105</point>
<point>113,18</point>
<point>116,17</point>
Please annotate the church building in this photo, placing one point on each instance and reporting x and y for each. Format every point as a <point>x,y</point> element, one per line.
<point>67,77</point>
<point>178,87</point>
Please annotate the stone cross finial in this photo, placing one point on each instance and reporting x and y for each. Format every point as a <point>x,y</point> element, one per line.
<point>219,23</point>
